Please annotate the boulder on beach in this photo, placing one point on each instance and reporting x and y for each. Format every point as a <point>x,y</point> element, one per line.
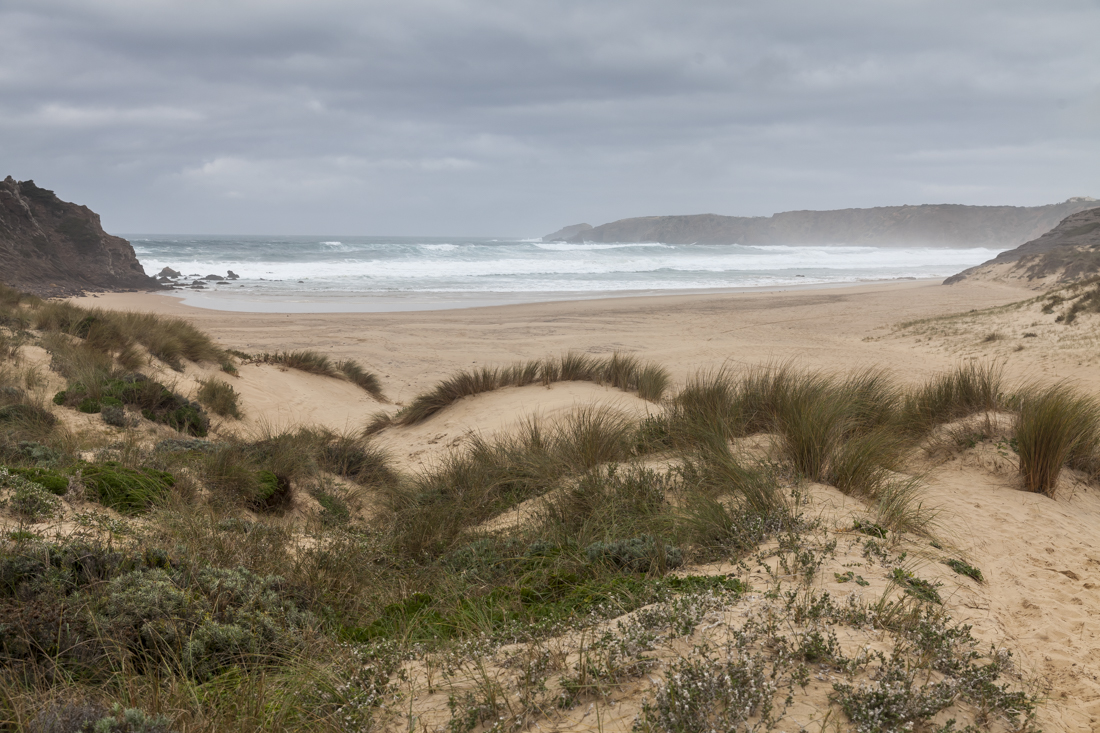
<point>168,272</point>
<point>232,275</point>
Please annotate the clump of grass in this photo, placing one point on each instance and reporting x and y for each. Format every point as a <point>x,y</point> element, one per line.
<point>304,360</point>
<point>966,390</point>
<point>1054,426</point>
<point>219,397</point>
<point>350,457</point>
<point>126,490</point>
<point>314,362</point>
<point>360,377</point>
<point>625,372</point>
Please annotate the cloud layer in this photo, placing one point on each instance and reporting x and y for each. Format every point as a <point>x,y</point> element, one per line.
<point>516,117</point>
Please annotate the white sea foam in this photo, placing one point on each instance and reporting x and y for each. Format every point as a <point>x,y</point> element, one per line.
<point>594,246</point>
<point>371,265</point>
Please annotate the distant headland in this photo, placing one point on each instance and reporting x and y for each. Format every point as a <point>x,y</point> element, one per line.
<point>935,225</point>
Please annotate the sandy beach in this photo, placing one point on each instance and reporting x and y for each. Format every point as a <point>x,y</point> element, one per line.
<point>835,328</point>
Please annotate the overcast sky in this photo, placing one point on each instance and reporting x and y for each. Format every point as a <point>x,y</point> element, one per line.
<point>510,117</point>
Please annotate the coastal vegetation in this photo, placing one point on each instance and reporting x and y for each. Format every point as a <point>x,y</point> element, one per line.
<point>174,573</point>
<point>622,371</point>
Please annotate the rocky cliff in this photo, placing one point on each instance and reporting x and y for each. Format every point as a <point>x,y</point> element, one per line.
<point>1069,251</point>
<point>54,248</point>
<point>937,225</point>
<point>566,233</point>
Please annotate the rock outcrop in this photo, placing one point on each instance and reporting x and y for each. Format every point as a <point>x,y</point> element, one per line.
<point>936,225</point>
<point>566,233</point>
<point>54,248</point>
<point>1068,252</point>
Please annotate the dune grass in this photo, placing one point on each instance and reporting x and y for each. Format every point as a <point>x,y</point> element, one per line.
<point>354,372</point>
<point>314,362</point>
<point>968,389</point>
<point>1055,424</point>
<point>166,338</point>
<point>219,397</point>
<point>622,371</point>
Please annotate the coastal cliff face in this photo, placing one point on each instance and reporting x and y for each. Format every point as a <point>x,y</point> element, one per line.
<point>1068,252</point>
<point>936,225</point>
<point>54,248</point>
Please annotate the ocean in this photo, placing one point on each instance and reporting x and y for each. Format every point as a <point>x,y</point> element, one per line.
<point>326,273</point>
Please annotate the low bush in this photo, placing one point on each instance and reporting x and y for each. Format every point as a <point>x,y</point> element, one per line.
<point>156,402</point>
<point>145,611</point>
<point>219,397</point>
<point>355,459</point>
<point>114,416</point>
<point>636,554</point>
<point>29,499</point>
<point>55,482</point>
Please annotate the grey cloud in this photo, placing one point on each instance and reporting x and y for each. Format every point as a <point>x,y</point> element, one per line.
<point>454,116</point>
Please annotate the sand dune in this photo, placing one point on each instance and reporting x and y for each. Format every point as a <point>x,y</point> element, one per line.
<point>1040,556</point>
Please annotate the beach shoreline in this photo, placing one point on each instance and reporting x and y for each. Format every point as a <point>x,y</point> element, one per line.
<point>227,300</point>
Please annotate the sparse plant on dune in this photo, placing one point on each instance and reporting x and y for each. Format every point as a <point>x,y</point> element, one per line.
<point>219,397</point>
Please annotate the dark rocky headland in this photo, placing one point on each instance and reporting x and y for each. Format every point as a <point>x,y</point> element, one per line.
<point>54,248</point>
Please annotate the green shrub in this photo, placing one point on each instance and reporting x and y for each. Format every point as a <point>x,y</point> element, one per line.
<point>131,720</point>
<point>115,416</point>
<point>273,491</point>
<point>29,499</point>
<point>156,402</point>
<point>636,554</point>
<point>55,482</point>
